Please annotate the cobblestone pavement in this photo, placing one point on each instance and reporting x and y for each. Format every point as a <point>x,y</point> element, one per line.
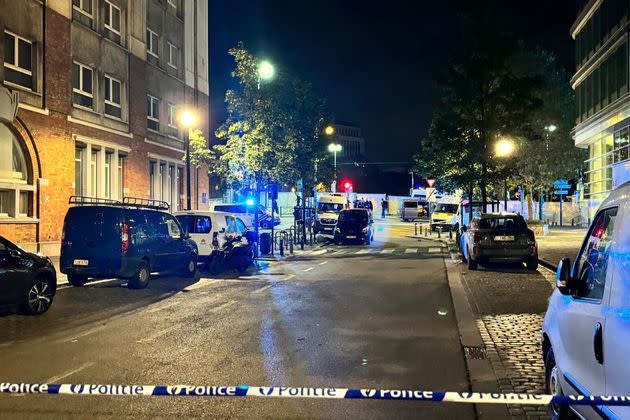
<point>510,302</point>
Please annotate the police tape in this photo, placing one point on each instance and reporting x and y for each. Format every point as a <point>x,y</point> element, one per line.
<point>298,392</point>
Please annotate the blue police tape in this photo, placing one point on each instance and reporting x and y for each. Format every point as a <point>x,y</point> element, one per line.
<point>296,392</point>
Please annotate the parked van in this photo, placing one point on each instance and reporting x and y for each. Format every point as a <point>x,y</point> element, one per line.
<point>444,214</point>
<point>247,214</point>
<point>413,210</point>
<point>129,239</point>
<point>585,340</point>
<point>328,209</point>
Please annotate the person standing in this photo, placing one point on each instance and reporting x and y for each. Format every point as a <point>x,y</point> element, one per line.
<point>384,207</point>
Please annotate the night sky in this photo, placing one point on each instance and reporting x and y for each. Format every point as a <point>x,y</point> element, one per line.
<point>375,62</point>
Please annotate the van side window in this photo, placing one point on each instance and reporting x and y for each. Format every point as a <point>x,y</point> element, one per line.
<point>172,227</point>
<point>592,265</point>
<point>229,220</point>
<point>241,226</point>
<point>202,224</point>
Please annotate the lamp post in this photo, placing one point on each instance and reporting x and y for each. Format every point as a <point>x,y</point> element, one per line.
<point>334,148</point>
<point>504,148</point>
<point>188,120</point>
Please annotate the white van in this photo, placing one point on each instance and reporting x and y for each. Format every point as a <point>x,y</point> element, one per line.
<point>247,214</point>
<point>328,209</point>
<point>445,213</point>
<point>586,331</point>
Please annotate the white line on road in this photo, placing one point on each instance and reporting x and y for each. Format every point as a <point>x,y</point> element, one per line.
<point>309,269</point>
<point>201,283</point>
<point>55,379</point>
<point>434,250</point>
<point>319,252</point>
<point>388,251</point>
<point>411,250</point>
<point>262,289</point>
<point>158,334</point>
<point>323,262</point>
<point>83,334</point>
<point>363,251</point>
<point>340,252</point>
<point>290,276</point>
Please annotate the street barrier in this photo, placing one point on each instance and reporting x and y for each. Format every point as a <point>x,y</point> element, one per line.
<point>318,393</point>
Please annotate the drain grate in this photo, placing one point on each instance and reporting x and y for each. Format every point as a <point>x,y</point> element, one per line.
<point>475,352</point>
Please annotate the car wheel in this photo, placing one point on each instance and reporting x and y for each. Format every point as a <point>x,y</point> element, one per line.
<point>553,387</point>
<point>39,297</point>
<point>77,280</point>
<point>141,279</point>
<point>472,264</point>
<point>532,263</point>
<point>191,267</point>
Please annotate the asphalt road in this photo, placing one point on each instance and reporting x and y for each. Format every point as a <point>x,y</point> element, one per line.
<point>338,316</point>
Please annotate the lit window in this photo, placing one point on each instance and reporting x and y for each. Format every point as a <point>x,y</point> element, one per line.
<point>153,113</point>
<point>82,85</point>
<point>112,17</point>
<point>152,43</point>
<point>83,7</point>
<point>112,97</point>
<point>173,55</point>
<point>18,60</point>
<point>172,116</point>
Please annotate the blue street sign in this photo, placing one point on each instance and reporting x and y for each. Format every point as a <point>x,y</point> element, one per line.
<point>561,192</point>
<point>561,184</point>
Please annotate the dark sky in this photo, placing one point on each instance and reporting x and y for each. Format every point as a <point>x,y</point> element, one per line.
<point>374,61</point>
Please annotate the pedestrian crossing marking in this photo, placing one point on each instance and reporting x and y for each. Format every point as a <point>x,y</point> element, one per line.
<point>388,251</point>
<point>340,252</point>
<point>319,252</point>
<point>363,251</point>
<point>411,250</point>
<point>434,250</point>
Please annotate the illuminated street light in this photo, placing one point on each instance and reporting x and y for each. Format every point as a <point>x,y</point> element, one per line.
<point>551,128</point>
<point>188,119</point>
<point>334,149</point>
<point>266,71</point>
<point>504,147</point>
<point>329,130</point>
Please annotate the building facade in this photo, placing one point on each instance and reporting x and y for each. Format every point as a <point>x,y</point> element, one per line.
<point>99,85</point>
<point>351,140</point>
<point>601,85</point>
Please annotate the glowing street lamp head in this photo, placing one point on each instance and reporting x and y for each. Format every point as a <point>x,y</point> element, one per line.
<point>551,128</point>
<point>329,130</point>
<point>187,118</point>
<point>334,147</point>
<point>266,70</point>
<point>505,147</point>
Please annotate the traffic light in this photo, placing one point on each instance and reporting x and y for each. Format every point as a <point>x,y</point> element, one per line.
<point>347,185</point>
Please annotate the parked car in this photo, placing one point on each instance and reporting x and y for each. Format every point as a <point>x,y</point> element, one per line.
<point>129,240</point>
<point>585,334</point>
<point>27,280</point>
<point>247,214</point>
<point>222,238</point>
<point>498,236</point>
<point>354,225</point>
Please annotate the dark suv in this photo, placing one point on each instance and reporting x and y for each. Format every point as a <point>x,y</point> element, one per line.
<point>128,239</point>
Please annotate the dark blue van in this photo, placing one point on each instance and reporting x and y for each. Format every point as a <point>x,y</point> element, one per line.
<point>129,239</point>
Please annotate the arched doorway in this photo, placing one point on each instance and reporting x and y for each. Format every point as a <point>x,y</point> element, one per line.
<point>17,184</point>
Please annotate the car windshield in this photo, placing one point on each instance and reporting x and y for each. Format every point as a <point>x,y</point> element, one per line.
<point>502,223</point>
<point>353,216</point>
<point>329,207</point>
<point>446,208</point>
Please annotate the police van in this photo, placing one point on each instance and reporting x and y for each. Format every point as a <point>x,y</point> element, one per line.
<point>328,209</point>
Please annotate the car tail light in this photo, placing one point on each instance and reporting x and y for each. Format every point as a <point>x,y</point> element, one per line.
<point>477,237</point>
<point>124,237</point>
<point>215,239</point>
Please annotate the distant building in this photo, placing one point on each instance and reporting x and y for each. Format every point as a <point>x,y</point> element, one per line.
<point>603,100</point>
<point>351,140</point>
<point>98,86</point>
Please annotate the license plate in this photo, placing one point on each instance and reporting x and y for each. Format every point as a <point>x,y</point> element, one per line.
<point>351,236</point>
<point>81,262</point>
<point>504,238</point>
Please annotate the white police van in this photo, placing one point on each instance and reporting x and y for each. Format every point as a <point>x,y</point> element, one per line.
<point>586,332</point>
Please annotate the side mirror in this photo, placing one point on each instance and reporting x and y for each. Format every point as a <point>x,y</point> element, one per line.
<point>563,275</point>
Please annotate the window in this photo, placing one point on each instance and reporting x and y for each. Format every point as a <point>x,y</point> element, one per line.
<point>98,171</point>
<point>83,6</point>
<point>172,226</point>
<point>153,113</point>
<point>18,60</point>
<point>152,43</point>
<point>240,226</point>
<point>173,55</point>
<point>15,182</point>
<point>94,172</point>
<point>592,265</point>
<point>82,85</point>
<point>172,116</point>
<point>79,170</point>
<point>121,176</point>
<point>152,179</point>
<point>195,224</point>
<point>112,17</point>
<point>112,97</point>
<point>108,174</point>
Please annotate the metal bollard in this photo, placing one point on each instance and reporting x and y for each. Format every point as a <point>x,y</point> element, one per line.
<point>290,245</point>
<point>450,233</point>
<point>281,246</point>
<point>572,222</point>
<point>439,232</point>
<point>415,229</point>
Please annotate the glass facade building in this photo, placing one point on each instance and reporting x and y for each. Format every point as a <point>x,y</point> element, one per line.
<point>601,84</point>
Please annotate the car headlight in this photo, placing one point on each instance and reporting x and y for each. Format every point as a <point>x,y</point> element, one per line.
<point>337,230</point>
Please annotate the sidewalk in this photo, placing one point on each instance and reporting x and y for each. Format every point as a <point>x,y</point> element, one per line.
<point>561,242</point>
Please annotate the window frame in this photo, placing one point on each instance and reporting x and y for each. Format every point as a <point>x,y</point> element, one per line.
<point>80,90</point>
<point>172,119</point>
<point>171,63</point>
<point>150,44</point>
<point>172,3</point>
<point>15,66</point>
<point>80,9</point>
<point>151,117</point>
<point>109,80</point>
<point>109,5</point>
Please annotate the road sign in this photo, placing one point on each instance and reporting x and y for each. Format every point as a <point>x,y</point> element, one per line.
<point>561,184</point>
<point>561,192</point>
<point>431,196</point>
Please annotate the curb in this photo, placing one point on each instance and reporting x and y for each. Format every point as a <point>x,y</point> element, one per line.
<point>548,265</point>
<point>481,375</point>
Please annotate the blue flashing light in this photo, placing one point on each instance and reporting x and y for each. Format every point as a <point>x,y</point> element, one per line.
<point>250,202</point>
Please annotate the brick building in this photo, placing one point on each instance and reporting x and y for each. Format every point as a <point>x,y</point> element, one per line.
<point>100,85</point>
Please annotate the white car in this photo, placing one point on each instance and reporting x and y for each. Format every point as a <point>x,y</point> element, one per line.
<point>246,214</point>
<point>586,331</point>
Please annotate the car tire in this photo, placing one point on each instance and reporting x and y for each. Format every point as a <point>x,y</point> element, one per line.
<point>472,264</point>
<point>77,280</point>
<point>553,387</point>
<point>141,279</point>
<point>191,268</point>
<point>532,263</point>
<point>39,297</point>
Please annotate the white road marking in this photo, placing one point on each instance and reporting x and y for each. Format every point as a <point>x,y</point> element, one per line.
<point>55,379</point>
<point>411,250</point>
<point>201,283</point>
<point>319,252</point>
<point>323,262</point>
<point>262,289</point>
<point>434,250</point>
<point>388,251</point>
<point>363,251</point>
<point>309,269</point>
<point>162,307</point>
<point>158,334</point>
<point>83,334</point>
<point>290,276</point>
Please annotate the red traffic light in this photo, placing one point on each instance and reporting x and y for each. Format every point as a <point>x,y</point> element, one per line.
<point>347,185</point>
<point>430,182</point>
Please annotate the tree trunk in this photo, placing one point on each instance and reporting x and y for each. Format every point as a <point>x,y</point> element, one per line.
<point>483,186</point>
<point>471,191</point>
<point>530,202</point>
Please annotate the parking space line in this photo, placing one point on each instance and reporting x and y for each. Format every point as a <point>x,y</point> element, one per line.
<point>55,379</point>
<point>411,250</point>
<point>309,269</point>
<point>388,251</point>
<point>319,252</point>
<point>434,250</point>
<point>158,334</point>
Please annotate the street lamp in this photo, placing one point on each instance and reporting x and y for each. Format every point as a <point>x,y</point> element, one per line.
<point>551,128</point>
<point>329,130</point>
<point>504,148</point>
<point>334,148</point>
<point>188,119</point>
<point>266,71</point>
